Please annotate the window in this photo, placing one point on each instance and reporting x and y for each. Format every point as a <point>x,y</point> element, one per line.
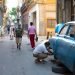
<point>64,30</point>
<point>51,23</point>
<point>71,30</point>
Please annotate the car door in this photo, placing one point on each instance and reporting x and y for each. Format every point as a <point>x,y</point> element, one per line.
<point>66,46</point>
<point>70,60</point>
<point>62,44</point>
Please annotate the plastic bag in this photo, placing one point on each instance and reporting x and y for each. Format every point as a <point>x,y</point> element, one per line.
<point>36,38</point>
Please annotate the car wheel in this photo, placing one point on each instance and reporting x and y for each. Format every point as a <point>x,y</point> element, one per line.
<point>74,69</point>
<point>59,69</point>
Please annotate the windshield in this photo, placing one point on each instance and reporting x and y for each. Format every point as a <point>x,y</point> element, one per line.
<point>71,31</point>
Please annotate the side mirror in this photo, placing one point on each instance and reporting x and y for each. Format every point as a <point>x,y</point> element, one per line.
<point>72,35</point>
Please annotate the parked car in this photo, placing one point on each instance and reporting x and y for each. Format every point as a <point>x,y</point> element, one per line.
<point>63,45</point>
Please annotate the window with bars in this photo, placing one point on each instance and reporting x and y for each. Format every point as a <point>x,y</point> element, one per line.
<point>51,23</point>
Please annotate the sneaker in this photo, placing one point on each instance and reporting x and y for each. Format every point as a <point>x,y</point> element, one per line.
<point>33,48</point>
<point>43,61</point>
<point>37,61</point>
<point>17,46</point>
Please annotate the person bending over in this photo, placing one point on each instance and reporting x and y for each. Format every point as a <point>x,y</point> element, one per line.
<point>42,51</point>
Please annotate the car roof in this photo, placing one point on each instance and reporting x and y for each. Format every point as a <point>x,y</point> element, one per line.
<point>70,22</point>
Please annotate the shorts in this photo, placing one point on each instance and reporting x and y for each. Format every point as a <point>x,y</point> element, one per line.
<point>18,40</point>
<point>40,56</point>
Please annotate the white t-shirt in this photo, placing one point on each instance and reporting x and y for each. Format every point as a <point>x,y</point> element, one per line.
<point>40,49</point>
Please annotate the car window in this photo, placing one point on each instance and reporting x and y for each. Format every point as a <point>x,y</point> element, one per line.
<point>64,30</point>
<point>71,30</point>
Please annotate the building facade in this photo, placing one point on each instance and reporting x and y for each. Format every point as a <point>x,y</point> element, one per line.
<point>65,10</point>
<point>41,12</point>
<point>2,11</point>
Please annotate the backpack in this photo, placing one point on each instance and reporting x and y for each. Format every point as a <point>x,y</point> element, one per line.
<point>19,32</point>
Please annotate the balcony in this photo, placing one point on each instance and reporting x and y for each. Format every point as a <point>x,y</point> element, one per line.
<point>29,2</point>
<point>23,8</point>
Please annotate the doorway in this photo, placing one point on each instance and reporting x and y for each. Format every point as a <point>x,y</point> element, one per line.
<point>34,18</point>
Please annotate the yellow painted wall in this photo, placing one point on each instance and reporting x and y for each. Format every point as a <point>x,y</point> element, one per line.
<point>51,14</point>
<point>50,1</point>
<point>47,10</point>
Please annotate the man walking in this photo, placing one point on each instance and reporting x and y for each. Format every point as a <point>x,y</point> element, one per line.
<point>18,35</point>
<point>8,28</point>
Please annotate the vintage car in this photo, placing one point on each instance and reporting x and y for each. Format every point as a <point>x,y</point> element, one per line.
<point>63,45</point>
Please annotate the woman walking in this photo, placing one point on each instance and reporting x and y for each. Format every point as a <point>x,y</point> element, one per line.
<point>31,34</point>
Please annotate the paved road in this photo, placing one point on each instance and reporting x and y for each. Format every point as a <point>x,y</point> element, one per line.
<point>15,62</point>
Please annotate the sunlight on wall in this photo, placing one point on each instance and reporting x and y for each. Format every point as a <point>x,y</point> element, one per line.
<point>13,3</point>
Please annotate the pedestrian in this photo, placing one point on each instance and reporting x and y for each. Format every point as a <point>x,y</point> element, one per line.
<point>42,51</point>
<point>31,34</point>
<point>18,35</point>
<point>11,32</point>
<point>1,32</point>
<point>48,33</point>
<point>8,28</point>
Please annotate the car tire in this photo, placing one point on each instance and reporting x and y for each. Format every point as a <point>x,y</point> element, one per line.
<point>59,69</point>
<point>54,61</point>
<point>74,69</point>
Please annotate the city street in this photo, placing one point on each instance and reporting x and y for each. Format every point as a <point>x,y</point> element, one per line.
<point>16,62</point>
<point>38,20</point>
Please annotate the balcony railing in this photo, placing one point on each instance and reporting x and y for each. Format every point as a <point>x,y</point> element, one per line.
<point>29,3</point>
<point>23,8</point>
